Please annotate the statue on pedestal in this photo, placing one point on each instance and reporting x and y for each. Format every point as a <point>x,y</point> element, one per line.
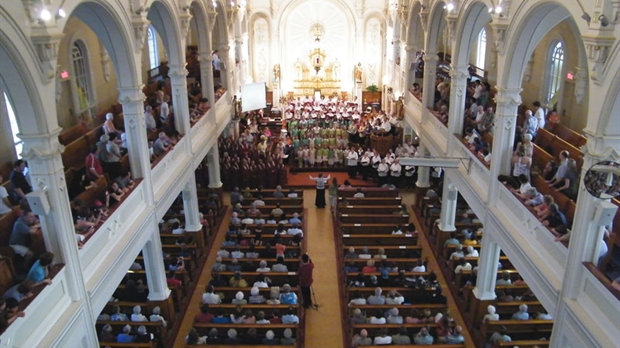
<point>358,72</point>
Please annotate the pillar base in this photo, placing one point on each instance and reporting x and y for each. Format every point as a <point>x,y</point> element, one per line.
<point>446,227</point>
<point>159,296</point>
<point>478,306</point>
<point>218,188</point>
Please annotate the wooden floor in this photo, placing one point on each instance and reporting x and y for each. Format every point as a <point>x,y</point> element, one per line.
<point>323,327</point>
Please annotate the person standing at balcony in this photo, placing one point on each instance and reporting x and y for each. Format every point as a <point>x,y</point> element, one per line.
<point>539,114</point>
<point>21,186</point>
<point>530,126</point>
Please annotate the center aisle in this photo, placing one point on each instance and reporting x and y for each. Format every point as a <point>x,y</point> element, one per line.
<point>323,327</point>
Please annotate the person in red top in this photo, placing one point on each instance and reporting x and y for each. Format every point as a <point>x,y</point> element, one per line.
<point>172,281</point>
<point>305,280</point>
<point>92,165</point>
<point>204,316</point>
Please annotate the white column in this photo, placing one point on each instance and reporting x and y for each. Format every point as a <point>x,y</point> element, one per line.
<point>458,89</point>
<point>276,93</point>
<point>239,73</point>
<point>409,73</point>
<point>448,206</point>
<point>487,268</point>
<point>206,76</point>
<point>423,172</point>
<point>430,74</point>
<point>213,162</point>
<point>235,127</point>
<point>508,100</point>
<point>178,82</point>
<point>225,67</point>
<point>154,267</point>
<point>190,206</point>
<point>6,136</point>
<point>43,153</point>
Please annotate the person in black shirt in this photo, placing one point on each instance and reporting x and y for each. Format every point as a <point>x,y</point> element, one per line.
<point>21,186</point>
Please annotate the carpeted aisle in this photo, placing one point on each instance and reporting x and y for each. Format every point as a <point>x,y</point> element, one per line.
<point>323,326</point>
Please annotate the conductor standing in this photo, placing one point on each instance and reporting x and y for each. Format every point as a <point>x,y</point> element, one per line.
<point>305,280</point>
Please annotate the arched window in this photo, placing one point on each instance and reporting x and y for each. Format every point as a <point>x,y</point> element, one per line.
<point>482,49</point>
<point>19,144</point>
<point>85,97</point>
<point>151,40</point>
<point>555,72</point>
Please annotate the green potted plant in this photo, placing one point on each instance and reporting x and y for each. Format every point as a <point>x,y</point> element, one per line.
<point>372,88</point>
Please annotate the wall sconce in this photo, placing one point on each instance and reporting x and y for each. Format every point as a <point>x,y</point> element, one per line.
<point>586,17</point>
<point>604,21</point>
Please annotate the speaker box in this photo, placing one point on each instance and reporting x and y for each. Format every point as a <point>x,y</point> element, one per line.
<point>38,202</point>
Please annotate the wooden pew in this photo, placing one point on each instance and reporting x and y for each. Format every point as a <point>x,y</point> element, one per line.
<point>519,328</point>
<point>375,218</point>
<point>524,344</point>
<point>368,228</point>
<point>379,239</point>
<point>368,192</point>
<point>278,279</point>
<point>156,328</point>
<point>369,209</point>
<point>152,344</point>
<point>75,154</point>
<point>166,306</point>
<point>372,201</point>
<point>569,135</point>
<point>507,309</point>
<point>273,201</point>
<point>438,345</point>
<point>390,250</point>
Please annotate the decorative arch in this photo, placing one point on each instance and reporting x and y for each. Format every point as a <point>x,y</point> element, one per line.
<point>165,21</point>
<point>17,63</point>
<point>476,17</point>
<point>532,26</point>
<point>374,49</point>
<point>199,25</point>
<point>436,25</point>
<point>221,35</point>
<point>608,121</point>
<point>107,23</point>
<point>415,30</point>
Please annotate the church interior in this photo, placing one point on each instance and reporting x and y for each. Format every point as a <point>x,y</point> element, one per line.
<point>451,169</point>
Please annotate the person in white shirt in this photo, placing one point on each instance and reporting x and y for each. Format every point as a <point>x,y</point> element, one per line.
<point>472,252</point>
<point>295,230</point>
<point>137,315</point>
<point>463,266</point>
<point>396,172</point>
<point>383,339</point>
<point>151,125</point>
<point>263,267</point>
<point>177,229</point>
<point>382,172</point>
<point>5,203</point>
<point>352,158</point>
<point>419,266</point>
<point>378,318</point>
<point>397,230</point>
<point>359,193</point>
<point>164,109</point>
<point>210,297</point>
<point>292,193</point>
<point>539,114</point>
<point>491,316</point>
<point>156,317</point>
<point>365,165</point>
<point>319,200</point>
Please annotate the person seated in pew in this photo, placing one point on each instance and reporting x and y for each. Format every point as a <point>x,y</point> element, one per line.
<point>472,252</point>
<point>258,220</point>
<point>522,314</point>
<point>290,317</point>
<point>278,192</point>
<point>555,218</point>
<point>113,195</point>
<point>423,337</point>
<point>106,334</point>
<point>413,317</point>
<point>279,265</point>
<point>462,266</point>
<point>295,219</point>
<point>453,240</point>
<point>262,281</point>
<point>232,337</point>
<point>257,240</point>
<point>220,318</point>
<point>377,318</point>
<point>394,317</point>
<point>234,219</point>
<point>251,338</point>
<point>263,267</point>
<point>239,299</point>
<point>125,336</point>
<point>210,297</point>
<point>287,296</point>
<point>350,253</point>
<point>248,220</point>
<point>370,267</point>
<point>204,316</point>
<point>213,337</point>
<point>361,339</point>
<point>500,336</point>
<point>380,255</point>
<point>218,266</point>
<point>137,314</point>
<point>256,297</point>
<point>21,291</point>
<point>542,210</point>
<point>458,253</point>
<point>377,298</point>
<point>142,335</point>
<point>248,317</point>
<point>125,182</point>
<point>237,253</point>
<point>394,298</point>
<point>397,230</point>
<point>383,338</point>
<point>505,279</point>
<point>194,339</point>
<point>39,272</point>
<point>533,197</point>
<point>237,316</point>
<point>288,338</point>
<point>234,266</point>
<point>358,317</point>
<point>238,209</point>
<point>271,220</point>
<point>560,173</point>
<point>491,315</point>
<point>365,254</point>
<point>295,230</point>
<point>117,315</point>
<point>270,339</point>
<point>401,337</point>
<point>455,337</point>
<point>543,316</point>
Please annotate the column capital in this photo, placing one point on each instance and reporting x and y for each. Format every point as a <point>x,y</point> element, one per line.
<point>127,95</point>
<point>41,146</point>
<point>459,72</point>
<point>204,56</point>
<point>508,96</point>
<point>178,72</point>
<point>431,57</point>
